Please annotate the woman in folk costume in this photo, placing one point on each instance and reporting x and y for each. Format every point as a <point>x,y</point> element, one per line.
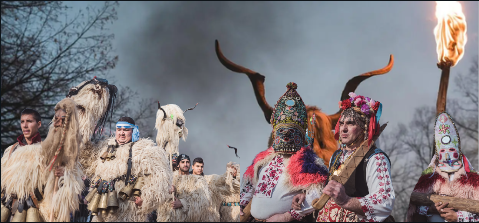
<point>129,176</point>
<point>286,169</point>
<point>450,173</point>
<point>225,192</point>
<point>30,187</point>
<point>368,195</point>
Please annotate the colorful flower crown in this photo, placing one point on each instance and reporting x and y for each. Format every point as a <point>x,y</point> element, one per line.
<point>361,104</point>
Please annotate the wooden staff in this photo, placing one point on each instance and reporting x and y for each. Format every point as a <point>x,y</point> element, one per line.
<point>246,213</point>
<point>460,204</point>
<point>350,165</point>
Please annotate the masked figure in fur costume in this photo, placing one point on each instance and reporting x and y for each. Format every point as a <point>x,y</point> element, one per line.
<point>129,174</point>
<point>368,195</point>
<point>450,173</point>
<point>171,126</point>
<point>225,191</point>
<point>192,198</point>
<point>28,180</point>
<point>286,169</point>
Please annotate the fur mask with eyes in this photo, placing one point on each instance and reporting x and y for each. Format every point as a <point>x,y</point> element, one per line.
<point>171,126</point>
<point>95,99</point>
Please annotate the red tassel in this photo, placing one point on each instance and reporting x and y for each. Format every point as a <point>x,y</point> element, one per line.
<point>336,131</point>
<point>373,129</point>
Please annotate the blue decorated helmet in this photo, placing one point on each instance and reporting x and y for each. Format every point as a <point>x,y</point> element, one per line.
<point>289,121</point>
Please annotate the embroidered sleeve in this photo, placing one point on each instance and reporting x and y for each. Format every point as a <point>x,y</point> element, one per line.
<point>295,215</point>
<point>378,204</point>
<point>269,178</point>
<point>464,216</point>
<point>246,193</point>
<point>422,210</point>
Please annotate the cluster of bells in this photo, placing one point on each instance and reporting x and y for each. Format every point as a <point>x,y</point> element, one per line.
<point>108,202</point>
<point>32,214</point>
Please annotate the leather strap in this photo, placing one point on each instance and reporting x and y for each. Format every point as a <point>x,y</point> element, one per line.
<point>34,199</point>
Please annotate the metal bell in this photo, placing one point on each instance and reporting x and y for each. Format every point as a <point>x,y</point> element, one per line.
<point>33,215</point>
<point>20,216</point>
<point>112,199</point>
<point>90,195</point>
<point>126,191</point>
<point>93,205</point>
<point>136,193</point>
<point>5,214</point>
<point>103,201</point>
<point>138,185</point>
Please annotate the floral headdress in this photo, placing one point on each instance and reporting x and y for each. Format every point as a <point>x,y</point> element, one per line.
<point>364,106</point>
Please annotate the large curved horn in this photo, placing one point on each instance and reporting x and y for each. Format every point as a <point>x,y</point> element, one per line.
<point>190,108</point>
<point>354,82</point>
<point>159,107</point>
<point>256,79</point>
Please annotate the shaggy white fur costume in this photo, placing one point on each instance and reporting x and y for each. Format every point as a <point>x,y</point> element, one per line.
<point>225,188</point>
<point>168,132</point>
<point>25,169</point>
<point>193,192</point>
<point>148,161</point>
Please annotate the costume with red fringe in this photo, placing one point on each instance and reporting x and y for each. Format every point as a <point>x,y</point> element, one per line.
<point>371,182</point>
<point>286,169</point>
<point>450,173</point>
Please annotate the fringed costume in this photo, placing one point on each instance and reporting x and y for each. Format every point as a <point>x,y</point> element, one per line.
<point>171,126</point>
<point>124,172</point>
<point>194,195</point>
<point>371,182</point>
<point>225,193</point>
<point>288,168</point>
<point>450,174</point>
<point>28,181</point>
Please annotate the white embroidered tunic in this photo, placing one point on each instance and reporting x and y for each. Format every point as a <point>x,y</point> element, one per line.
<point>271,196</point>
<point>379,203</point>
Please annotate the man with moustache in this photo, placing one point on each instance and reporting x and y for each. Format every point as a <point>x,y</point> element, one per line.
<point>368,195</point>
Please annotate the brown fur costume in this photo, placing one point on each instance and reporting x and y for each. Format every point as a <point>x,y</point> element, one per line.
<point>27,168</point>
<point>225,188</point>
<point>193,192</point>
<point>148,161</point>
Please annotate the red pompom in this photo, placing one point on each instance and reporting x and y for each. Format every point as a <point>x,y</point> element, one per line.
<point>336,131</point>
<point>376,106</point>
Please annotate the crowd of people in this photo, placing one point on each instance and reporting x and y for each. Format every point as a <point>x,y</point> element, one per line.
<point>78,174</point>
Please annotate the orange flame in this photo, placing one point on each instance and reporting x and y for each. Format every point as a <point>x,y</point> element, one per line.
<point>450,31</point>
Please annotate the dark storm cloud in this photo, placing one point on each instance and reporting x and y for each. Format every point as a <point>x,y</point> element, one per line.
<point>173,60</point>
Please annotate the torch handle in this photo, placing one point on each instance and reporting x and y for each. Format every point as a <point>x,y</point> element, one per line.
<point>443,84</point>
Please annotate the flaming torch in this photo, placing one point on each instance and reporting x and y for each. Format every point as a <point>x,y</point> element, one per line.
<point>451,38</point>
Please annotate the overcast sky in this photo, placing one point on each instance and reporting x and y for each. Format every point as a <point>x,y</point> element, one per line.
<point>166,52</point>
